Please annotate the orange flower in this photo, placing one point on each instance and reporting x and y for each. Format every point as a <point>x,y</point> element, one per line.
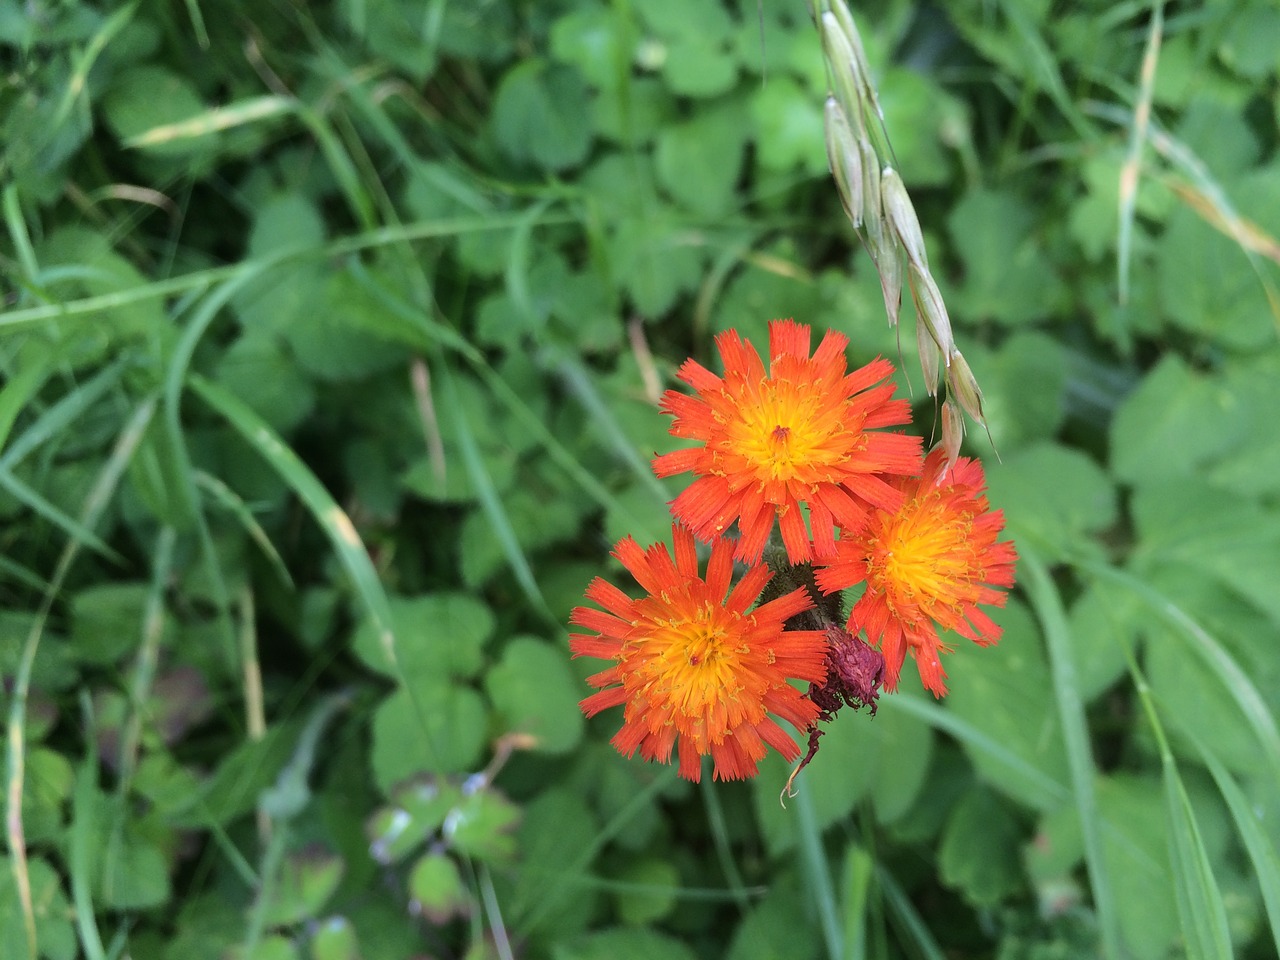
<point>799,434</point>
<point>693,665</point>
<point>927,565</point>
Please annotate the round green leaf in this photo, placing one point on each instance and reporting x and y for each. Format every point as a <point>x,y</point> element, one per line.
<point>444,732</point>
<point>540,115</point>
<point>148,97</point>
<point>979,853</point>
<point>438,635</point>
<point>638,907</point>
<point>306,881</point>
<point>55,935</point>
<point>1053,495</point>
<point>1005,692</point>
<point>534,693</point>
<point>436,889</point>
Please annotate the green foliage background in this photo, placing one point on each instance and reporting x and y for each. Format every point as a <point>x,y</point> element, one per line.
<point>331,342</point>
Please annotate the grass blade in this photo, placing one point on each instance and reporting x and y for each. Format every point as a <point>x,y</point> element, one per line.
<point>99,495</point>
<point>492,504</point>
<point>1052,793</point>
<point>817,874</point>
<point>1262,852</point>
<point>859,869</point>
<point>1237,684</point>
<point>83,834</point>
<point>56,516</point>
<point>54,421</point>
<point>1075,734</point>
<point>912,927</point>
<point>1201,912</point>
<point>331,517</point>
<point>201,279</point>
<point>236,506</point>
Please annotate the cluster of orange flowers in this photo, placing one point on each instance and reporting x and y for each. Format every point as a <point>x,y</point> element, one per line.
<point>695,668</point>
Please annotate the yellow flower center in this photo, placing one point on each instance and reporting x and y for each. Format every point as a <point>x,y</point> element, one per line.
<point>783,435</point>
<point>695,667</point>
<point>923,557</point>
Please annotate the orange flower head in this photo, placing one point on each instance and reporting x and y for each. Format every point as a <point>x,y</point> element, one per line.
<point>928,564</point>
<point>693,669</point>
<point>802,433</point>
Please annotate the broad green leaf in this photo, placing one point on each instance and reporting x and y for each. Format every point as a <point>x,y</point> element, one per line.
<point>54,670</point>
<point>1105,620</point>
<point>924,121</point>
<point>766,288</point>
<point>777,926</point>
<point>436,889</point>
<point>335,939</point>
<point>45,789</point>
<point>1225,537</point>
<point>540,115</point>
<point>417,810</point>
<point>135,873</point>
<point>689,19</point>
<point>92,268</point>
<point>55,936</point>
<point>286,294</point>
<point>843,772</point>
<point>634,944</point>
<point>438,635</point>
<point>1005,692</point>
<point>1247,48</point>
<point>1136,848</point>
<point>555,839</point>
<point>436,191</point>
<point>305,883</point>
<point>1024,386</point>
<point>1052,495</point>
<point>787,127</point>
<point>699,161</point>
<point>699,67</point>
<point>446,736</point>
<point>633,115</point>
<point>480,827</point>
<point>1007,277</point>
<point>598,41</point>
<point>107,621</point>
<point>339,338</point>
<point>905,752</point>
<point>533,693</point>
<point>151,96</point>
<point>656,259</point>
<point>257,369</point>
<point>1174,422</point>
<point>1208,288</point>
<point>538,520</point>
<point>650,891</point>
<point>979,853</point>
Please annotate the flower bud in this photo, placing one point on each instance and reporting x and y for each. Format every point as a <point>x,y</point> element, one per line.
<point>845,160</point>
<point>931,310</point>
<point>862,69</point>
<point>902,217</point>
<point>844,66</point>
<point>930,356</point>
<point>889,267</point>
<point>952,433</point>
<point>964,387</point>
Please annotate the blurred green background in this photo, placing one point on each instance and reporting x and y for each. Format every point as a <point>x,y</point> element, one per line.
<point>331,344</point>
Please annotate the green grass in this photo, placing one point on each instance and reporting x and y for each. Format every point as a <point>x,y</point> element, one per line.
<point>316,318</point>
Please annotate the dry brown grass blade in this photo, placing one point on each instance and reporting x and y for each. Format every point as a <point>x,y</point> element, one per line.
<point>1131,171</point>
